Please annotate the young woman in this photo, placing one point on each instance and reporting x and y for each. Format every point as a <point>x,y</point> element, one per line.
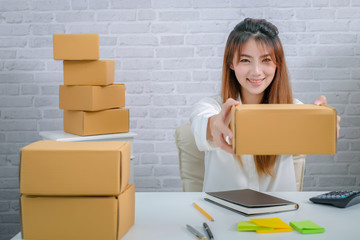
<point>254,72</point>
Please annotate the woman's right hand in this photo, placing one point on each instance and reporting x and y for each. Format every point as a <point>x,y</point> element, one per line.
<point>217,128</point>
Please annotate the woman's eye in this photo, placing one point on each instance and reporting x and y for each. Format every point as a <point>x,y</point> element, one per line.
<point>244,60</point>
<point>267,60</point>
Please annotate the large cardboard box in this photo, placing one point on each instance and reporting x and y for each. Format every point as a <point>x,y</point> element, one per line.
<point>266,129</point>
<point>100,122</point>
<point>91,98</point>
<point>55,168</point>
<point>100,72</point>
<point>76,46</point>
<point>74,218</point>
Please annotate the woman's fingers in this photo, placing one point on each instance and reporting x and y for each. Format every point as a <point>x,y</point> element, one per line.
<point>321,100</point>
<point>226,109</point>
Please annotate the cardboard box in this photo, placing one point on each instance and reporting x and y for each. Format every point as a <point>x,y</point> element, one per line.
<point>76,46</point>
<point>101,72</point>
<point>55,168</point>
<point>100,122</point>
<point>91,98</point>
<point>74,218</point>
<point>266,129</point>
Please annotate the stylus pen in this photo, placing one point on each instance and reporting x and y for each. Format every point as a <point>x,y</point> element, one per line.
<point>195,232</point>
<point>207,229</point>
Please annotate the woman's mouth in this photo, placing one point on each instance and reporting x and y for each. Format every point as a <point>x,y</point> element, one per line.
<point>255,82</point>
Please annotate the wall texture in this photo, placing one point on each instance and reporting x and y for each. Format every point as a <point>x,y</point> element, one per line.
<point>169,55</point>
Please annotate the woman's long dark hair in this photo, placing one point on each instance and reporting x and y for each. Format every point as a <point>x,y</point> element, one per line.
<point>279,91</point>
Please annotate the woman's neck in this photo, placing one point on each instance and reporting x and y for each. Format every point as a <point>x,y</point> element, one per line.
<point>247,98</point>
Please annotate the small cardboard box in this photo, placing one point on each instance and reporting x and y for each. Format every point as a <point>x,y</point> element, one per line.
<point>274,129</point>
<point>53,168</point>
<point>76,46</point>
<point>91,98</point>
<point>101,72</point>
<point>73,218</point>
<point>100,122</point>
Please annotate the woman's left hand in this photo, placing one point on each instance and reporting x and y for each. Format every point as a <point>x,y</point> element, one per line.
<point>322,101</point>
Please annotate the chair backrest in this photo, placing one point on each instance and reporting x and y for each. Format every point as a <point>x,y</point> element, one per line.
<point>191,162</point>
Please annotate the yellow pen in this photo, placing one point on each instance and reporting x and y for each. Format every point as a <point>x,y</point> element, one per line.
<point>203,212</point>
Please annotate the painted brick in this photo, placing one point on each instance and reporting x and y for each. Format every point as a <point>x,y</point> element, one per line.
<point>143,171</point>
<point>150,135</point>
<point>130,4</point>
<point>120,28</point>
<point>172,40</point>
<point>39,17</point>
<point>99,4</point>
<point>74,17</point>
<point>9,89</point>
<point>21,113</point>
<point>14,5</point>
<point>146,15</point>
<point>95,28</point>
<point>172,183</point>
<point>79,4</point>
<point>149,158</point>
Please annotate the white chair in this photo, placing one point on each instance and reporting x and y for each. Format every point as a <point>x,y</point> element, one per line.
<point>191,162</point>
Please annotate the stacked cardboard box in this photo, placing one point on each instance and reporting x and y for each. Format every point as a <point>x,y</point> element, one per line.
<point>76,190</point>
<point>92,103</point>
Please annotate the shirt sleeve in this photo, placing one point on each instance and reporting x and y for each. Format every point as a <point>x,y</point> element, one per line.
<point>200,115</point>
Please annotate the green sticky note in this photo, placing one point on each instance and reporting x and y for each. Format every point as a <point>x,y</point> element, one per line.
<point>250,226</point>
<point>307,227</point>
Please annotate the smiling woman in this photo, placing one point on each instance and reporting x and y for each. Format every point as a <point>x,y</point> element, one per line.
<point>254,72</point>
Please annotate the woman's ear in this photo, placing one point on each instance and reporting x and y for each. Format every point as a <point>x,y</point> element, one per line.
<point>231,66</point>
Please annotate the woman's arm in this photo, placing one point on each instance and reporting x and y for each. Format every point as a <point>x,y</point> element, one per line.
<point>218,126</point>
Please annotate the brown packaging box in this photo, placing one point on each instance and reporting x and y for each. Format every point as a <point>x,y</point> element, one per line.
<point>90,73</point>
<point>91,98</point>
<point>53,168</point>
<point>73,218</point>
<point>100,122</point>
<point>76,46</point>
<point>266,129</point>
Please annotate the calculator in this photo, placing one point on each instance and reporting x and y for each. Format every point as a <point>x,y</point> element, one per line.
<point>340,199</point>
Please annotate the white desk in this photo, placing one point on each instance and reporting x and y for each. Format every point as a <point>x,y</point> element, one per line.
<point>163,215</point>
<point>67,137</point>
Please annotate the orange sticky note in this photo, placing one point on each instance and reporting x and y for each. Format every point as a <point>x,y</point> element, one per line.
<point>276,223</point>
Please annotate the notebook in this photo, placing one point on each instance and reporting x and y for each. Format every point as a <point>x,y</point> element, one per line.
<point>250,202</point>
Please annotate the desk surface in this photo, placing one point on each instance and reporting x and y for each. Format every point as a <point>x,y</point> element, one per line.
<point>163,215</point>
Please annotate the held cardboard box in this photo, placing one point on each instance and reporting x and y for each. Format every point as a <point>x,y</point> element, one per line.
<point>101,72</point>
<point>54,168</point>
<point>91,98</point>
<point>76,46</point>
<point>73,218</point>
<point>100,122</point>
<point>266,129</point>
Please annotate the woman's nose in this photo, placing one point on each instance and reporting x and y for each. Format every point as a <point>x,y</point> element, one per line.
<point>256,69</point>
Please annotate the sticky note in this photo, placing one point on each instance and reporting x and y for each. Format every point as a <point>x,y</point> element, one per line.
<point>307,227</point>
<point>250,226</point>
<point>276,223</point>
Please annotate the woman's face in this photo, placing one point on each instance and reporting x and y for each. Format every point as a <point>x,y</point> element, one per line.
<point>254,69</point>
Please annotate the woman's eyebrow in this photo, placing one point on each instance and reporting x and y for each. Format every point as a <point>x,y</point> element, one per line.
<point>248,56</point>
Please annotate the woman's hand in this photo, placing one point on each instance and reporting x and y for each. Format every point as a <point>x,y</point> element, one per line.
<point>217,128</point>
<point>322,101</point>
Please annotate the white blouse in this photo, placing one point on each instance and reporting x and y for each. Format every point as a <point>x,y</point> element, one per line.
<point>223,171</point>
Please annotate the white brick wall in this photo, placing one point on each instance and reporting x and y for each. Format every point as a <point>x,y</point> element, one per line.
<point>169,55</point>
